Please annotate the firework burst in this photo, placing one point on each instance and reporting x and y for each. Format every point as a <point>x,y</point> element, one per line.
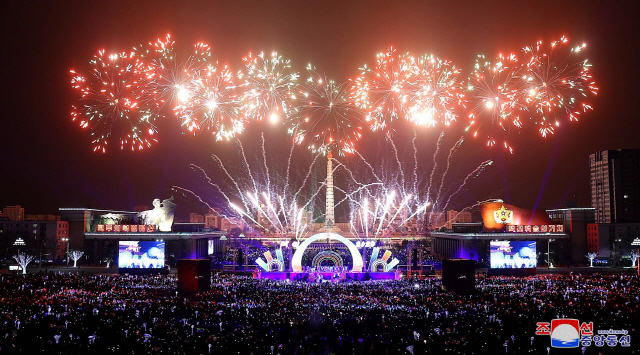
<point>169,80</point>
<point>124,94</point>
<point>324,118</point>
<point>212,104</point>
<point>382,91</point>
<point>435,92</point>
<point>268,85</point>
<point>556,83</point>
<point>496,88</point>
<point>112,104</point>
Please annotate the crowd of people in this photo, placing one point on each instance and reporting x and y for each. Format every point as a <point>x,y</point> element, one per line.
<point>78,314</point>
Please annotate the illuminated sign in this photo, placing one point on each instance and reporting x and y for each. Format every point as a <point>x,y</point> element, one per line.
<point>125,228</point>
<point>503,215</point>
<point>497,216</point>
<point>545,228</point>
<point>160,218</point>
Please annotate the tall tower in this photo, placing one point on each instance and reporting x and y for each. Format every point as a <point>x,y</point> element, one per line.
<point>329,215</point>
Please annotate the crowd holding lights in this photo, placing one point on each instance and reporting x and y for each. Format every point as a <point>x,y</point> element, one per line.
<point>124,93</point>
<point>77,314</point>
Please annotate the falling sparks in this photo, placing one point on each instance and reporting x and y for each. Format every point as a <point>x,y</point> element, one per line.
<point>261,197</point>
<point>386,203</point>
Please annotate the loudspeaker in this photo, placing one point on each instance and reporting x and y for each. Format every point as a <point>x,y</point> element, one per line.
<point>194,275</point>
<point>240,258</point>
<point>414,258</point>
<point>458,275</point>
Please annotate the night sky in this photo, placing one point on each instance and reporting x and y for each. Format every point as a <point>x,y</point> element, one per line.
<point>47,162</point>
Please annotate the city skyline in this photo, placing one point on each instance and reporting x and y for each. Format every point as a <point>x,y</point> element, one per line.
<point>47,158</point>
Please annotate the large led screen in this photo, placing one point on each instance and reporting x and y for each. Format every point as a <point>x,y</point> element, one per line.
<point>513,255</point>
<point>141,255</point>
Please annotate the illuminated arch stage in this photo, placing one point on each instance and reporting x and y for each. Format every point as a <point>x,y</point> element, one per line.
<point>357,269</point>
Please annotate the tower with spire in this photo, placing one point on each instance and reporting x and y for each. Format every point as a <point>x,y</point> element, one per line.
<point>329,209</point>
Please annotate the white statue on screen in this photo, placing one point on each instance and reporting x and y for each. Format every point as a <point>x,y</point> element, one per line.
<point>160,216</point>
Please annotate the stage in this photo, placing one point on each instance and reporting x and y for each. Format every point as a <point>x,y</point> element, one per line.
<point>355,276</point>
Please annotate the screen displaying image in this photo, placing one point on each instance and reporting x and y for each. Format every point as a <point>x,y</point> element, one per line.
<point>513,255</point>
<point>141,255</point>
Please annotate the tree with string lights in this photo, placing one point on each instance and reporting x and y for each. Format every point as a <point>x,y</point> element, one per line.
<point>23,260</point>
<point>75,255</point>
<point>591,256</point>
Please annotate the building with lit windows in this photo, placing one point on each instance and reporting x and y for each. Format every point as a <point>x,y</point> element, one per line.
<point>612,240</point>
<point>98,232</point>
<point>41,217</point>
<point>615,185</point>
<point>42,238</point>
<point>13,213</point>
<point>196,218</point>
<point>560,232</point>
<point>457,217</point>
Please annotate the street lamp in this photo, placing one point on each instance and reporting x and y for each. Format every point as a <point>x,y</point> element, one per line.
<point>636,243</point>
<point>615,254</point>
<point>549,264</point>
<point>66,240</point>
